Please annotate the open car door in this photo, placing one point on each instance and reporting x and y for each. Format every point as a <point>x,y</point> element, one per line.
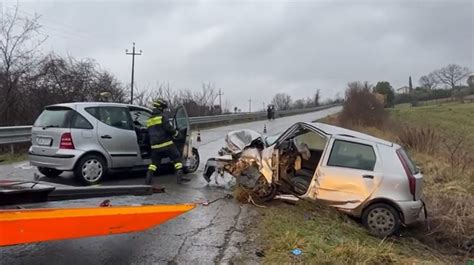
<point>181,123</point>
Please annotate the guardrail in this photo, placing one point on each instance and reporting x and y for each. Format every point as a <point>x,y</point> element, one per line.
<point>22,134</point>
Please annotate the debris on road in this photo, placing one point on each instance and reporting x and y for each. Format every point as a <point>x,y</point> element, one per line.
<point>207,203</point>
<point>260,253</point>
<point>296,251</point>
<point>289,198</point>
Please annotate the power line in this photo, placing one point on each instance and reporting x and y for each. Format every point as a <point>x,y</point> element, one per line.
<point>133,53</point>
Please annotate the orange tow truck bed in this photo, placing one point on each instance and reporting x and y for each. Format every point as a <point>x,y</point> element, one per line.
<point>35,225</point>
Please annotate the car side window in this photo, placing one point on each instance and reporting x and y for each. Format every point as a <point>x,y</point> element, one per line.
<point>352,155</point>
<point>117,117</point>
<point>79,122</point>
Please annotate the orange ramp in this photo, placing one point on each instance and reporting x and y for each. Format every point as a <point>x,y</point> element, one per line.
<point>35,225</point>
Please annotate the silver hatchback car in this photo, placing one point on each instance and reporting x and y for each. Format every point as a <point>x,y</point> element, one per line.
<point>359,174</point>
<point>92,138</point>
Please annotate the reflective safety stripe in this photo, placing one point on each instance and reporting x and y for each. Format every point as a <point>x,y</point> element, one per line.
<point>152,167</point>
<point>154,121</point>
<point>178,165</point>
<point>156,146</point>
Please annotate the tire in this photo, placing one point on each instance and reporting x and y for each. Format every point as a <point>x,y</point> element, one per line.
<point>195,165</point>
<point>49,172</point>
<point>265,192</point>
<point>381,219</point>
<point>90,169</point>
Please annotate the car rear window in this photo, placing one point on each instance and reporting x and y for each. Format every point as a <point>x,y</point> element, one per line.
<point>54,117</point>
<point>406,157</point>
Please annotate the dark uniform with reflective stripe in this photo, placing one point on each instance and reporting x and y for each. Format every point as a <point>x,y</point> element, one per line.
<point>161,134</point>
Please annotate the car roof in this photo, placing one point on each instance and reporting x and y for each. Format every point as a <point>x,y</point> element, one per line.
<point>335,131</point>
<point>95,104</point>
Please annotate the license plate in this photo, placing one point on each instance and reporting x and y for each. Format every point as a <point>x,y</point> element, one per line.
<point>43,141</point>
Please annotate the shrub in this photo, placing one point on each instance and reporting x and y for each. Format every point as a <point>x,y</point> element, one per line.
<point>361,107</point>
<point>419,139</point>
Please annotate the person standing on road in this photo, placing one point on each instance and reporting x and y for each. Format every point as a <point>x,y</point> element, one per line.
<point>161,134</point>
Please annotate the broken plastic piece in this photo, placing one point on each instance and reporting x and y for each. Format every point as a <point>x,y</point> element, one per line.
<point>287,198</point>
<point>296,252</point>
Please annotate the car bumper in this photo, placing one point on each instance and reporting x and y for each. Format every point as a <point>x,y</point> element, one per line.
<point>413,211</point>
<point>64,160</point>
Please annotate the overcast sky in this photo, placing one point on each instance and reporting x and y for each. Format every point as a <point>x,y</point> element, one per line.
<point>258,48</point>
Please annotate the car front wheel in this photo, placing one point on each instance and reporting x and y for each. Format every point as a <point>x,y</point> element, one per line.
<point>49,172</point>
<point>90,169</point>
<point>194,159</point>
<point>381,219</point>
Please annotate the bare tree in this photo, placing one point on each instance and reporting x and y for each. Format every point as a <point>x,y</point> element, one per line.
<point>19,41</point>
<point>282,101</point>
<point>452,74</point>
<point>429,81</point>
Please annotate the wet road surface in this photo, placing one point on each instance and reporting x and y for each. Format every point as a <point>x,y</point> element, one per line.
<point>222,232</point>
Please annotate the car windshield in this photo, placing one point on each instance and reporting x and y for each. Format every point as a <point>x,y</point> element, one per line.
<point>269,140</point>
<point>54,117</point>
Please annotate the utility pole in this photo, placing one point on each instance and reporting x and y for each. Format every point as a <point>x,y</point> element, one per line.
<point>250,104</point>
<point>133,53</point>
<point>220,99</point>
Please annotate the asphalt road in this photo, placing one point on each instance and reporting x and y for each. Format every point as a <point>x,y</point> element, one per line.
<point>222,232</point>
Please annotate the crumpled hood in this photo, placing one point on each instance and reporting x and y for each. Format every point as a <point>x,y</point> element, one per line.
<point>240,139</point>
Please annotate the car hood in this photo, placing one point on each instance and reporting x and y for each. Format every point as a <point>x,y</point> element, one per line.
<point>238,140</point>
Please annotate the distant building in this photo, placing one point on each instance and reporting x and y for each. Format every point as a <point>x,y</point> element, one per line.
<point>403,90</point>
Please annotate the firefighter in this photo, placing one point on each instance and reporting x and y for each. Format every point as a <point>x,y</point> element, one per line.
<point>161,134</point>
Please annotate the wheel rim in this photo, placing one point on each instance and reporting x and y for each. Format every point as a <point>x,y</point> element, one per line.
<point>381,220</point>
<point>194,162</point>
<point>92,170</point>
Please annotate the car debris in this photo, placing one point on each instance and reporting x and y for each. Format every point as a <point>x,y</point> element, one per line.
<point>356,173</point>
<point>289,198</point>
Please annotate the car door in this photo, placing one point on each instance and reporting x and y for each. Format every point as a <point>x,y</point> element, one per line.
<point>181,123</point>
<point>350,172</point>
<point>116,134</point>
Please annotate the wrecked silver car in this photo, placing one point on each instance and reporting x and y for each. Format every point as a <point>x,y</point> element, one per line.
<point>359,174</point>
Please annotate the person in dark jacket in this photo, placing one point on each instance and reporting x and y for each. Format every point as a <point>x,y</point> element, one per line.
<point>161,134</point>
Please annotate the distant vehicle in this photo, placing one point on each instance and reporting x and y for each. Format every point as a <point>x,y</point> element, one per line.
<point>91,138</point>
<point>359,174</point>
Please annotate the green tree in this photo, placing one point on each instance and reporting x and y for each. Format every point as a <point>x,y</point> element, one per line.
<point>384,88</point>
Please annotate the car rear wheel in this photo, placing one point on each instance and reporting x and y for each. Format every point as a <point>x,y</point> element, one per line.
<point>90,169</point>
<point>194,162</point>
<point>49,172</point>
<point>381,219</point>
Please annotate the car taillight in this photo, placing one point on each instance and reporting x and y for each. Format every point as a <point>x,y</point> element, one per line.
<point>66,141</point>
<point>411,178</point>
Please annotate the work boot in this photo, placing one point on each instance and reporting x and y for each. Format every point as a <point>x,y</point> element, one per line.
<point>180,177</point>
<point>149,177</point>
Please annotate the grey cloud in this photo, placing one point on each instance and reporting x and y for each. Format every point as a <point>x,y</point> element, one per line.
<point>259,48</point>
